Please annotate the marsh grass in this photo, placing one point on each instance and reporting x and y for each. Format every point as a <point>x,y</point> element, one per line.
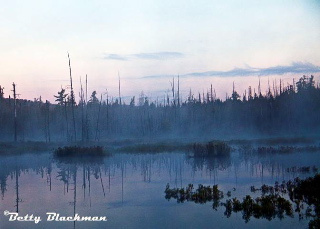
<point>80,155</point>
<point>275,141</point>
<point>78,151</point>
<point>8,148</point>
<point>155,147</point>
<point>265,150</point>
<point>211,149</point>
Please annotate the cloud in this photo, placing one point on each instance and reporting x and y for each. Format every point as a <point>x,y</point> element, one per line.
<point>114,57</point>
<point>294,68</point>
<point>145,56</point>
<point>159,55</point>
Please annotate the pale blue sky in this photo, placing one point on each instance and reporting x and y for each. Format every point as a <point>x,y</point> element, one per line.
<point>154,38</point>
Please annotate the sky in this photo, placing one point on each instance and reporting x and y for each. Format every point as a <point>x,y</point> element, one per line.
<point>148,42</point>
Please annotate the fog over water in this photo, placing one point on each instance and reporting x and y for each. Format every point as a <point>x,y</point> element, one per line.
<point>129,188</point>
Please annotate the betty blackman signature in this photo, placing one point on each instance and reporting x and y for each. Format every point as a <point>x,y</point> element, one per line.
<point>51,216</point>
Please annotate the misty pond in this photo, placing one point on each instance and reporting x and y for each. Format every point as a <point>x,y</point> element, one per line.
<point>129,189</point>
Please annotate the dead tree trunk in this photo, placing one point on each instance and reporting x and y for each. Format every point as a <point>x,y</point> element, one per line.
<point>48,119</point>
<point>72,103</point>
<point>15,111</point>
<point>97,127</point>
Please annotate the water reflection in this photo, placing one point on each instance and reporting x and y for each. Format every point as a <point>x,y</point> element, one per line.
<point>126,187</point>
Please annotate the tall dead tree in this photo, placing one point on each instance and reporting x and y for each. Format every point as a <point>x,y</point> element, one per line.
<point>66,116</point>
<point>107,112</point>
<point>178,91</point>
<point>48,138</point>
<point>119,89</point>
<point>1,92</point>
<point>82,112</point>
<point>72,102</point>
<point>87,120</point>
<point>98,119</point>
<point>172,89</point>
<point>15,110</point>
<point>259,88</point>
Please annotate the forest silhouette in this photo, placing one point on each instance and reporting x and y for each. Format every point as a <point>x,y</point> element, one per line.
<point>292,110</point>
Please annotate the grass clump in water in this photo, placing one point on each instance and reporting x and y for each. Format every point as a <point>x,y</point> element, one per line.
<point>211,149</point>
<point>154,147</point>
<point>77,151</point>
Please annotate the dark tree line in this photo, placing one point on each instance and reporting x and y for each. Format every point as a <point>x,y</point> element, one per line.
<point>291,110</point>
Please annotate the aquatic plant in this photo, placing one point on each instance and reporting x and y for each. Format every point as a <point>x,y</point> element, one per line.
<point>307,190</point>
<point>268,207</point>
<point>300,191</point>
<point>271,204</point>
<point>303,169</point>
<point>201,195</point>
<point>269,189</point>
<point>314,224</point>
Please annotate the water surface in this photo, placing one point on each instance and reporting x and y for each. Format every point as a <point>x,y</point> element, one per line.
<point>129,188</point>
